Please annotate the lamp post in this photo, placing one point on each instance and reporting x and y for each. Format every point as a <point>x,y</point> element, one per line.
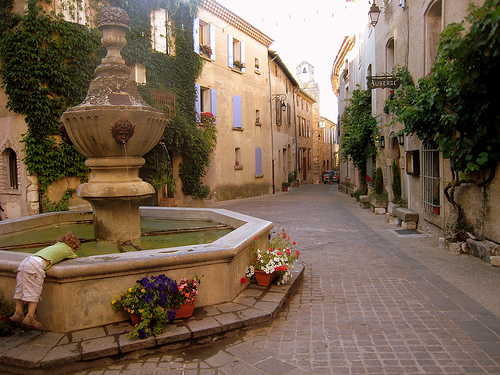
<point>374,13</point>
<point>401,139</point>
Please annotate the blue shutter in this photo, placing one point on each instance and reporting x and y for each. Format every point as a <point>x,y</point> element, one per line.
<point>258,162</point>
<point>197,104</point>
<point>230,51</point>
<point>212,41</point>
<point>236,111</point>
<point>213,102</point>
<point>196,34</point>
<point>242,54</point>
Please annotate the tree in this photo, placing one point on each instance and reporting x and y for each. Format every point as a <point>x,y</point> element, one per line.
<point>359,130</point>
<point>455,105</point>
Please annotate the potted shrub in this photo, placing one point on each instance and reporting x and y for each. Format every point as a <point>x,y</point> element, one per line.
<point>285,186</point>
<point>154,301</point>
<point>379,194</point>
<point>205,49</point>
<point>164,184</point>
<point>275,263</point>
<point>238,64</point>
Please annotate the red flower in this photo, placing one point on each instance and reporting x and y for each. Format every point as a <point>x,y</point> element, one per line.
<point>293,242</point>
<point>279,253</point>
<point>243,280</point>
<point>298,253</point>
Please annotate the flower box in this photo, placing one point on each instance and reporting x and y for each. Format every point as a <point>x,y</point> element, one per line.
<point>185,311</point>
<point>265,279</point>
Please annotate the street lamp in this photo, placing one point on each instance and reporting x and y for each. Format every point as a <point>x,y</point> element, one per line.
<point>382,141</point>
<point>374,14</point>
<point>282,98</point>
<point>401,139</point>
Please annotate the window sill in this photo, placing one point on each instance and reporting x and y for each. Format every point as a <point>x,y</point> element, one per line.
<point>257,71</point>
<point>259,176</point>
<point>10,192</point>
<point>238,167</point>
<point>237,129</point>
<point>258,124</point>
<point>205,57</point>
<point>236,70</point>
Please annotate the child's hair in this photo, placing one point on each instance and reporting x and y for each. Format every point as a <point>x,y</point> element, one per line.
<point>71,240</point>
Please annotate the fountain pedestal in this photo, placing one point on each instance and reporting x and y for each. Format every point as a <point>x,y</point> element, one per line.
<point>113,127</point>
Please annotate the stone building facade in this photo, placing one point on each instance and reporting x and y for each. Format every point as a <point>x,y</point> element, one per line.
<point>407,34</point>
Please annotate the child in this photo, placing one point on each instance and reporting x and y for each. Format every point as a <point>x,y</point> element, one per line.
<point>31,273</point>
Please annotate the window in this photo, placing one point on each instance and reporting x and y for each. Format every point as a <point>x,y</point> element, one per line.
<point>257,117</point>
<point>237,158</point>
<point>13,182</point>
<point>279,111</point>
<point>235,53</point>
<point>237,123</point>
<point>258,162</point>
<point>139,72</point>
<point>206,100</point>
<point>433,22</point>
<point>72,11</point>
<point>429,172</point>
<point>257,65</point>
<point>204,38</point>
<point>159,30</point>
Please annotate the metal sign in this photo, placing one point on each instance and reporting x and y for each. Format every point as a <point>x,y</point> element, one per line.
<point>382,82</point>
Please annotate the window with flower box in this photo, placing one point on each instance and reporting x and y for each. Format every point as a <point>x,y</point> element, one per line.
<point>235,53</point>
<point>206,100</point>
<point>204,38</point>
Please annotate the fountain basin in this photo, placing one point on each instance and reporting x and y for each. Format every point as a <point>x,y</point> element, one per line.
<point>77,293</point>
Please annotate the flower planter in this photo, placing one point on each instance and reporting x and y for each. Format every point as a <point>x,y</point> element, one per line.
<point>436,210</point>
<point>265,279</point>
<point>185,310</point>
<point>135,318</point>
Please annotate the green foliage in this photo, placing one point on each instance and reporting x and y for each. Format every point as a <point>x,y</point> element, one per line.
<point>47,64</point>
<point>359,129</point>
<point>379,191</point>
<point>396,183</point>
<point>455,105</point>
<point>62,205</point>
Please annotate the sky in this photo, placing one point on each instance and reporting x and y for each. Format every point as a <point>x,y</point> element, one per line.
<point>306,30</point>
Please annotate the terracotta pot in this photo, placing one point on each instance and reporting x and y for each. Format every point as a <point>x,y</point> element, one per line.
<point>136,319</point>
<point>265,279</point>
<point>185,311</point>
<point>436,210</point>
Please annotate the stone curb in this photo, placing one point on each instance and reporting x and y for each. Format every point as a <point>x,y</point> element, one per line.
<point>40,352</point>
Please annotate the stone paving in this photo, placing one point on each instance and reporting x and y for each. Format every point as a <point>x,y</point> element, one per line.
<point>371,302</point>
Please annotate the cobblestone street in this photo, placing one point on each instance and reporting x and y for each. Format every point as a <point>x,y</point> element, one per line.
<point>372,302</point>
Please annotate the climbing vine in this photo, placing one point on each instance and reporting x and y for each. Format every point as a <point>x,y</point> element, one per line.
<point>454,105</point>
<point>48,63</point>
<point>359,130</point>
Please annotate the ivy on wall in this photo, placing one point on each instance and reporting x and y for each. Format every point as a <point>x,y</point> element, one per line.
<point>48,63</point>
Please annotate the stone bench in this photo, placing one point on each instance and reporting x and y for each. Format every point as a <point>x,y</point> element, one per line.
<point>409,218</point>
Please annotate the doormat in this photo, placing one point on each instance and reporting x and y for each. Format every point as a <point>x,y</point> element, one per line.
<point>406,231</point>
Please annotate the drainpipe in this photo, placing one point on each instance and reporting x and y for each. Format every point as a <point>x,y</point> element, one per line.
<point>272,132</point>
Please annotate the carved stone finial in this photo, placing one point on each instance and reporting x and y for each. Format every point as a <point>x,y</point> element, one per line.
<point>112,16</point>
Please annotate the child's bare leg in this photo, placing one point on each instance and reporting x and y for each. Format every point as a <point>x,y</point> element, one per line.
<point>19,306</point>
<point>32,308</point>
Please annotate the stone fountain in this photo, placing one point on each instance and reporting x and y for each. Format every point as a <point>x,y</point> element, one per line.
<point>114,128</point>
